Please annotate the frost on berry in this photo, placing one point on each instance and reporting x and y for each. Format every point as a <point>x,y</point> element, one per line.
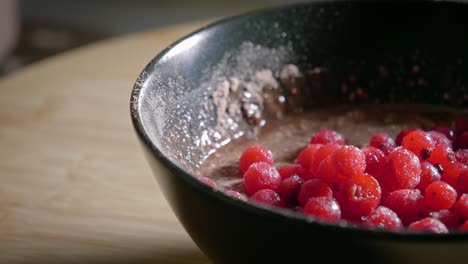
<point>419,142</point>
<point>261,176</point>
<point>268,197</point>
<point>323,208</point>
<point>428,225</point>
<point>383,218</point>
<point>402,171</point>
<point>358,196</point>
<point>327,136</point>
<point>408,204</point>
<point>313,188</point>
<point>254,154</point>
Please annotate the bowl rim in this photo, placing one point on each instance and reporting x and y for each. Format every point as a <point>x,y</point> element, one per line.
<point>282,214</point>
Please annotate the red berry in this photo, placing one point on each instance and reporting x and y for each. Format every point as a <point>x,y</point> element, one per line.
<point>267,196</point>
<point>429,174</point>
<point>261,176</point>
<point>236,194</point>
<point>327,136</point>
<point>289,189</point>
<point>461,207</point>
<point>358,196</point>
<point>461,142</point>
<point>447,131</point>
<point>461,125</point>
<point>313,188</point>
<point>307,156</point>
<point>254,154</point>
<point>418,142</point>
<point>408,204</point>
<point>375,161</point>
<point>208,181</point>
<point>442,155</point>
<point>379,139</point>
<point>439,138</point>
<point>429,225</point>
<point>402,134</point>
<point>447,217</point>
<point>402,171</point>
<point>294,170</point>
<point>328,173</point>
<point>463,227</point>
<point>440,195</point>
<point>349,161</point>
<point>323,208</point>
<point>462,156</point>
<point>451,174</point>
<point>387,148</point>
<point>321,155</point>
<point>383,217</point>
<point>462,181</point>
<point>345,162</point>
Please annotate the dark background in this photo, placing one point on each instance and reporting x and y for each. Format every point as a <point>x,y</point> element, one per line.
<point>48,27</point>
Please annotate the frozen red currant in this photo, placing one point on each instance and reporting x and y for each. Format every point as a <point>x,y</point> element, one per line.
<point>323,208</point>
<point>443,155</point>
<point>307,156</point>
<point>236,194</point>
<point>402,171</point>
<point>387,148</point>
<point>349,161</point>
<point>327,136</point>
<point>254,154</point>
<point>289,189</point>
<point>313,188</point>
<point>383,217</point>
<point>418,142</point>
<point>461,207</point>
<point>402,134</point>
<point>451,174</point>
<point>267,196</point>
<point>344,163</point>
<point>440,195</point>
<point>447,131</point>
<point>328,173</point>
<point>462,156</point>
<point>294,170</point>
<point>408,204</point>
<point>261,176</point>
<point>447,217</point>
<point>428,225</point>
<point>321,155</point>
<point>208,181</point>
<point>439,138</point>
<point>375,161</point>
<point>379,139</point>
<point>429,174</point>
<point>358,196</point>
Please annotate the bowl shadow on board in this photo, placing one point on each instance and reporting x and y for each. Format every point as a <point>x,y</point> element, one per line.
<point>393,53</point>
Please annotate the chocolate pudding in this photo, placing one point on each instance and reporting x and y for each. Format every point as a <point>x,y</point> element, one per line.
<point>287,136</point>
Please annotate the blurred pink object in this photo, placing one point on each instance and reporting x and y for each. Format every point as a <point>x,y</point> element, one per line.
<point>8,27</point>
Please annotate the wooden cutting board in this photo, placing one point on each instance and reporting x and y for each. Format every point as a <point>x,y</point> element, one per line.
<point>74,185</point>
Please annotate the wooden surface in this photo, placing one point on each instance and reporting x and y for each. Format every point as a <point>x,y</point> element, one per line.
<point>74,185</point>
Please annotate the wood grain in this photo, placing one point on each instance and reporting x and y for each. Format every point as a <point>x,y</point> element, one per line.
<point>74,185</point>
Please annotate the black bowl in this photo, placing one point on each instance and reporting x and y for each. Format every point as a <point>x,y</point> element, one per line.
<point>387,48</point>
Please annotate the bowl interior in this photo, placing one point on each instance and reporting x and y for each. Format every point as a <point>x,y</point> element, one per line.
<point>393,53</point>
